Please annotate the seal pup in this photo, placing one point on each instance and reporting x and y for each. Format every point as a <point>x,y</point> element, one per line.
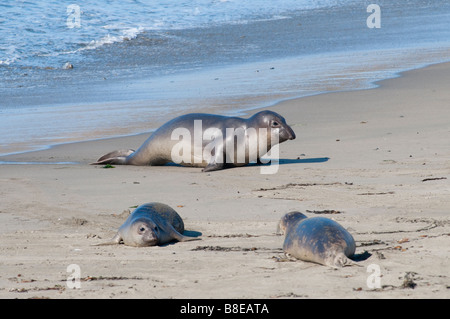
<point>150,224</point>
<point>316,239</point>
<point>210,133</point>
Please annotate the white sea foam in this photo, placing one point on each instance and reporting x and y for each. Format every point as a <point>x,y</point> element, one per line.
<point>8,61</point>
<point>127,34</point>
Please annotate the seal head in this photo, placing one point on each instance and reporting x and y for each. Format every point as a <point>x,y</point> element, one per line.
<point>142,232</point>
<point>289,220</point>
<point>270,119</point>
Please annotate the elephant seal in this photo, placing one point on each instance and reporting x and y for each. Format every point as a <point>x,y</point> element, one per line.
<point>317,239</point>
<point>207,140</point>
<point>151,224</point>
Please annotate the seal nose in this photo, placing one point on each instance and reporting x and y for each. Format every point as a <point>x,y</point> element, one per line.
<point>291,133</point>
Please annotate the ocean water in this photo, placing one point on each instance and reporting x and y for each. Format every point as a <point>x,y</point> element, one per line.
<point>47,33</point>
<point>137,63</point>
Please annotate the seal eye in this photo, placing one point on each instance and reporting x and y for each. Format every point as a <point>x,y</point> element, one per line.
<point>141,229</point>
<point>275,124</point>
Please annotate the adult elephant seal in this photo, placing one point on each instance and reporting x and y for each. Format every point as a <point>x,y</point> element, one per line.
<point>207,140</point>
<point>317,239</point>
<point>151,224</point>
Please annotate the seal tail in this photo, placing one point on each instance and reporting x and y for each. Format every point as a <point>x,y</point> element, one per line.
<point>117,157</point>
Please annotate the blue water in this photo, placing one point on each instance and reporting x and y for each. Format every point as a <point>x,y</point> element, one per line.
<point>137,63</point>
<point>47,33</point>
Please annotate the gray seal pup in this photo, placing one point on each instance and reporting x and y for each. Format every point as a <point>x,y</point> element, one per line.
<point>210,141</point>
<point>151,224</point>
<point>316,239</point>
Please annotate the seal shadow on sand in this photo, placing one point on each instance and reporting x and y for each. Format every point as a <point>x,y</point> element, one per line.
<point>281,161</point>
<point>302,161</point>
<point>284,161</point>
<point>361,256</point>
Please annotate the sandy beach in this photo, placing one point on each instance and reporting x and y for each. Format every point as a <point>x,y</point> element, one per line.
<point>377,161</point>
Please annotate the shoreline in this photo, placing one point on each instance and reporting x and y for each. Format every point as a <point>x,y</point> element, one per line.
<point>235,112</point>
<point>386,177</point>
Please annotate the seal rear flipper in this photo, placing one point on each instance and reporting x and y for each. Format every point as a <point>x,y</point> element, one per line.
<point>186,238</point>
<point>181,237</point>
<point>117,157</point>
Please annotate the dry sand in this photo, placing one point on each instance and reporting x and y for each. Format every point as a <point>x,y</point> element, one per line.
<point>379,158</point>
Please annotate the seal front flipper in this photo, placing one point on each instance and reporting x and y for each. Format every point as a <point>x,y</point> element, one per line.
<point>117,157</point>
<point>117,239</point>
<point>213,166</point>
<point>216,162</point>
<point>342,261</point>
